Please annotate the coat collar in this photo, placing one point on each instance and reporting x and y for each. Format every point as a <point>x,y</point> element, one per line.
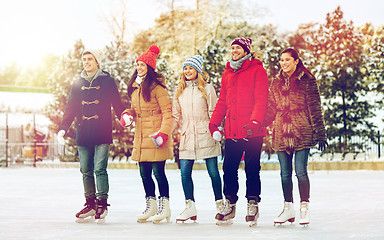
<point>246,64</point>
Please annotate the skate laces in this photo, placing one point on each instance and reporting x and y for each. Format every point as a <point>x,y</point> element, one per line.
<point>86,209</point>
<point>161,206</point>
<point>227,208</point>
<point>148,205</point>
<point>252,207</point>
<point>303,212</point>
<point>220,205</point>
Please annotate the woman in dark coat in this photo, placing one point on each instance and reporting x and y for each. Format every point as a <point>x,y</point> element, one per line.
<point>294,107</point>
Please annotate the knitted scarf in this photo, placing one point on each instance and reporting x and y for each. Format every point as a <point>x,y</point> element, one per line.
<point>93,76</point>
<point>236,65</point>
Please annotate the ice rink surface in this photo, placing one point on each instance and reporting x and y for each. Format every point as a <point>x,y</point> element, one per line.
<point>40,203</point>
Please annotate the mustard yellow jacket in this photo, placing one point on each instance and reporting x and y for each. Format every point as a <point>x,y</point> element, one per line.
<point>151,117</point>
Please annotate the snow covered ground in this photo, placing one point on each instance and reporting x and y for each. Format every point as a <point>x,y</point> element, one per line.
<point>40,203</point>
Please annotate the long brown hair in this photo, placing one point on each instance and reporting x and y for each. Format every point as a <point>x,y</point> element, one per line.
<point>152,78</point>
<point>201,79</point>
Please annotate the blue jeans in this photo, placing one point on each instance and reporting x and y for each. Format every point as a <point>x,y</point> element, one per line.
<point>186,177</point>
<point>159,172</point>
<point>94,162</point>
<point>301,162</point>
<point>234,150</point>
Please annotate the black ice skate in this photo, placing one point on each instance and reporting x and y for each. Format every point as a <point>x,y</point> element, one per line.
<point>101,210</point>
<point>227,214</point>
<point>87,214</point>
<point>252,213</point>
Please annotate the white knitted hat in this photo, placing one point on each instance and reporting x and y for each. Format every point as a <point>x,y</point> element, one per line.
<point>98,54</point>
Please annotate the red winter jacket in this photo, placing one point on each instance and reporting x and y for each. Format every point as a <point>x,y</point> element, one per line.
<point>243,98</point>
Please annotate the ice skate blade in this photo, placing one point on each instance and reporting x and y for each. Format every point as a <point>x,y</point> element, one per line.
<point>160,221</point>
<point>252,223</point>
<point>85,220</point>
<point>224,222</point>
<point>194,218</point>
<point>291,220</point>
<point>304,225</point>
<point>100,221</point>
<point>143,221</point>
<point>182,221</point>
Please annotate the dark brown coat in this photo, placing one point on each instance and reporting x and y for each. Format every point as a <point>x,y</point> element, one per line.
<point>295,107</point>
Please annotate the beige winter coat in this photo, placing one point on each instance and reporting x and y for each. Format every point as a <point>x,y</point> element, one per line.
<point>152,116</point>
<point>192,112</point>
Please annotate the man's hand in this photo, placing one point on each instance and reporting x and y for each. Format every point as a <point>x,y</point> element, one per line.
<point>252,128</point>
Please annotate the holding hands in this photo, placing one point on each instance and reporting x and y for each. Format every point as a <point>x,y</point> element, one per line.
<point>127,117</point>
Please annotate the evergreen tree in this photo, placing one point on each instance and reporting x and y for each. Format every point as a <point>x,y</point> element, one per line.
<point>120,65</point>
<point>214,62</point>
<point>337,61</point>
<point>169,75</point>
<point>67,70</point>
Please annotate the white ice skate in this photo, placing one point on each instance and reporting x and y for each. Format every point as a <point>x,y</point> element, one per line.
<point>252,213</point>
<point>164,212</point>
<point>304,214</point>
<point>87,214</point>
<point>150,210</point>
<point>101,211</point>
<point>226,215</point>
<point>190,212</point>
<point>288,214</point>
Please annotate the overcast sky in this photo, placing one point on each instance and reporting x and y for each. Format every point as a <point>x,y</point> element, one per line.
<point>33,28</point>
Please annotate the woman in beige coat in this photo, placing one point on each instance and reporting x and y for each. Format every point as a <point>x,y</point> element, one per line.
<point>193,106</point>
<point>151,109</point>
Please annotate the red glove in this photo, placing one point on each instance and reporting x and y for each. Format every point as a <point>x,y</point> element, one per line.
<point>252,128</point>
<point>126,120</point>
<point>159,138</point>
<point>216,133</point>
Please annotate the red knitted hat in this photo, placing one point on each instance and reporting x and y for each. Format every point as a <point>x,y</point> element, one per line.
<point>149,57</point>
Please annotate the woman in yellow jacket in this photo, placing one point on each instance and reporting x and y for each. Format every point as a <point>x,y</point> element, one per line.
<point>151,109</point>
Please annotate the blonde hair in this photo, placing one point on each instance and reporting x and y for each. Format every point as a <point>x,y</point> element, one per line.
<point>201,79</point>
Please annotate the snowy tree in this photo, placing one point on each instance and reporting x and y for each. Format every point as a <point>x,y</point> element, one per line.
<point>169,75</point>
<point>214,62</point>
<point>121,65</point>
<point>67,70</point>
<point>374,48</point>
<point>337,49</point>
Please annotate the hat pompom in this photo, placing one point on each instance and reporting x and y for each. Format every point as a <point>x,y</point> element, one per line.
<point>155,49</point>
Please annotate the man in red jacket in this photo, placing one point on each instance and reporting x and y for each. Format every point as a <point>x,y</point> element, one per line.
<point>242,103</point>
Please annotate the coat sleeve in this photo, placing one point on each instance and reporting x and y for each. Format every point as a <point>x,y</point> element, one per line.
<point>176,113</point>
<point>271,112</point>
<point>314,108</point>
<point>260,95</point>
<point>116,99</point>
<point>211,99</point>
<point>72,107</point>
<point>221,106</point>
<point>165,104</point>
